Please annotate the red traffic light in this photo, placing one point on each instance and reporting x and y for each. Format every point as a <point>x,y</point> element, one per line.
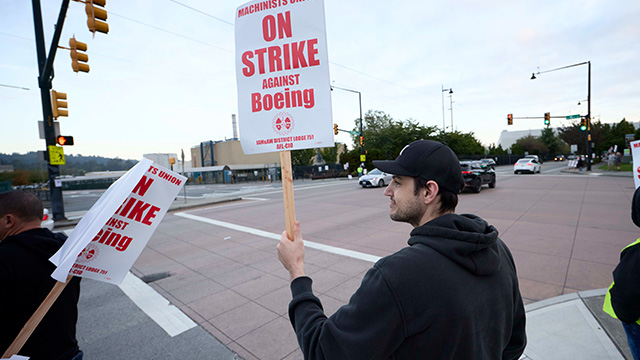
<point>64,140</point>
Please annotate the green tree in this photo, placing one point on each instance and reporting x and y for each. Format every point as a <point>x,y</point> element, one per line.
<point>530,144</point>
<point>550,140</point>
<point>493,150</point>
<point>330,154</point>
<point>572,135</point>
<point>302,157</point>
<point>384,137</point>
<point>464,143</point>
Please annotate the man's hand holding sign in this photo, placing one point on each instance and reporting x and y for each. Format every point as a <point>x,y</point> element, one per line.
<point>282,69</point>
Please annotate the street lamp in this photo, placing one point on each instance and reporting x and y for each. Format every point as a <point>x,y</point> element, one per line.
<point>533,77</point>
<point>444,130</point>
<point>360,101</point>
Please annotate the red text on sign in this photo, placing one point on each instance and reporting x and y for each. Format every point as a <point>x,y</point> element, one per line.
<point>282,26</point>
<point>299,54</point>
<point>280,100</point>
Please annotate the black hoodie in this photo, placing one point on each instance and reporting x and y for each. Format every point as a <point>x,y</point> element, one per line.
<point>452,294</point>
<point>25,280</point>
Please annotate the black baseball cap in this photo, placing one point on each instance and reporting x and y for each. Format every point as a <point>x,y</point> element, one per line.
<point>429,160</point>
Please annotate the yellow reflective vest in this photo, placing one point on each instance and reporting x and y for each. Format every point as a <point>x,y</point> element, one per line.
<point>607,307</point>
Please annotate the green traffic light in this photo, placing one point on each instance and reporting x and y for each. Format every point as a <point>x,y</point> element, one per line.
<point>583,128</point>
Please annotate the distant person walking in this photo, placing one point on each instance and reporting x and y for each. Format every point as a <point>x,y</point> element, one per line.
<point>610,160</point>
<point>580,164</point>
<point>451,294</point>
<point>25,280</point>
<point>618,160</point>
<point>623,298</point>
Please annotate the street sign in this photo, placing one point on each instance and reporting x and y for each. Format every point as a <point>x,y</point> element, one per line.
<point>356,133</point>
<point>56,155</point>
<point>363,157</point>
<point>573,117</point>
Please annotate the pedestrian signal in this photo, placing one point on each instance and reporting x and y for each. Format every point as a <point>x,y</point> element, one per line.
<point>64,140</point>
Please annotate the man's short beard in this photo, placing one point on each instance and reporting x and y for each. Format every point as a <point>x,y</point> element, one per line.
<point>410,213</point>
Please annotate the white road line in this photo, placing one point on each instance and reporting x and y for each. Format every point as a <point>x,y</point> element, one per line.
<point>168,317</point>
<point>265,234</point>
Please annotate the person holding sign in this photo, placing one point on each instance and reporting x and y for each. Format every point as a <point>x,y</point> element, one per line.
<point>25,280</point>
<point>451,294</point>
<point>622,301</point>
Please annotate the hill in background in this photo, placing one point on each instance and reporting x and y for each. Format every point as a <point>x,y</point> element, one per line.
<point>28,169</point>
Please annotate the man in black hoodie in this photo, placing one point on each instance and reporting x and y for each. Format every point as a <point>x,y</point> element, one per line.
<point>451,294</point>
<point>25,280</point>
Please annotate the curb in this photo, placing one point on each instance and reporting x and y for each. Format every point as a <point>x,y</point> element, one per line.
<point>176,205</point>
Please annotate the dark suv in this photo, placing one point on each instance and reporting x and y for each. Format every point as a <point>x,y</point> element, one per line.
<point>475,175</point>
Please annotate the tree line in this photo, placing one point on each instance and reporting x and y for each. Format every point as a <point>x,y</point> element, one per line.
<point>28,169</point>
<point>384,138</point>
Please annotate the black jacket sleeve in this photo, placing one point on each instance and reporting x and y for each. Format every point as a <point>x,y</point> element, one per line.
<point>625,293</point>
<point>369,327</point>
<point>518,341</point>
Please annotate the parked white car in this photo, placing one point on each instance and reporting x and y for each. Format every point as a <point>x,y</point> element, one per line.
<point>530,165</point>
<point>47,220</point>
<point>375,177</point>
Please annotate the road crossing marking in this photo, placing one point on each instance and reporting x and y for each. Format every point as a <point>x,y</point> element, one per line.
<point>310,244</point>
<point>173,321</point>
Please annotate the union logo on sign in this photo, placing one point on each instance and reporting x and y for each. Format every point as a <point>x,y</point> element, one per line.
<point>283,123</point>
<point>88,254</point>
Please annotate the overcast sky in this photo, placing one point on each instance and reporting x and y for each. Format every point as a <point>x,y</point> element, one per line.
<point>163,79</point>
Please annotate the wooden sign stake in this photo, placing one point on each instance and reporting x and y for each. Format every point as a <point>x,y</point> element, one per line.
<point>287,192</point>
<point>35,319</point>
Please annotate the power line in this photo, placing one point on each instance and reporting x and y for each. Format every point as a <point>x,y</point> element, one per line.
<point>202,12</point>
<point>15,87</point>
<point>171,32</point>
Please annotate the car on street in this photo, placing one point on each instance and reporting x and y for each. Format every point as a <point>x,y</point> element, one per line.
<point>558,158</point>
<point>534,157</point>
<point>572,157</point>
<point>47,220</point>
<point>375,177</point>
<point>488,162</point>
<point>475,175</point>
<point>529,165</point>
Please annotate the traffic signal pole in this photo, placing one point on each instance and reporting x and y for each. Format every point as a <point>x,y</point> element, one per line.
<point>589,120</point>
<point>45,78</point>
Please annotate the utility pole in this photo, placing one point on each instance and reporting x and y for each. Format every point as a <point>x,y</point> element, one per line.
<point>45,78</point>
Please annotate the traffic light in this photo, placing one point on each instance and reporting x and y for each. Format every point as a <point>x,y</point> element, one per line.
<point>361,140</point>
<point>335,129</point>
<point>509,119</point>
<point>58,104</point>
<point>64,140</point>
<point>547,118</point>
<point>97,16</point>
<point>78,60</point>
<point>583,123</point>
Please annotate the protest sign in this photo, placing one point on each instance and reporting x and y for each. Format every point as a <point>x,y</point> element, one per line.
<point>110,237</point>
<point>106,245</point>
<point>635,154</point>
<point>282,71</point>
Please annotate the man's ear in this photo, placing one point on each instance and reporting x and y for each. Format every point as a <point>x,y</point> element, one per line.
<point>432,192</point>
